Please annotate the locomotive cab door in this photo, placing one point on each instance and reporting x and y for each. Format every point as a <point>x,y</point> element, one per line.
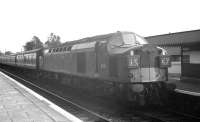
<point>101,59</point>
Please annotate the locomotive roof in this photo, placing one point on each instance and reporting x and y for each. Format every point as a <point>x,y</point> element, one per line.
<point>89,42</point>
<point>94,38</point>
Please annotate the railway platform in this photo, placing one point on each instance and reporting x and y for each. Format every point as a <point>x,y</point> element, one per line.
<point>186,85</point>
<point>20,104</point>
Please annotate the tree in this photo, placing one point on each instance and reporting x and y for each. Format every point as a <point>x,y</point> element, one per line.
<point>35,43</point>
<point>8,52</point>
<point>53,40</point>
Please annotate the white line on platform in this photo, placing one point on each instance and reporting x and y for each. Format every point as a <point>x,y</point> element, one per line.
<point>52,105</point>
<point>188,92</point>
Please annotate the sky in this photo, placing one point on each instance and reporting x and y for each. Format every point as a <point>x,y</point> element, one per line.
<point>20,20</point>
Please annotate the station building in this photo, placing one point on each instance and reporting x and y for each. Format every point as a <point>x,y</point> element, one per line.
<point>184,48</point>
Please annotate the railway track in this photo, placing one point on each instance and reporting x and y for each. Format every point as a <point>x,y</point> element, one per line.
<point>157,115</point>
<point>87,115</point>
<point>79,111</point>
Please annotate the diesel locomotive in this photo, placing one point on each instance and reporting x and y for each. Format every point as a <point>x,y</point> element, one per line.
<point>122,65</point>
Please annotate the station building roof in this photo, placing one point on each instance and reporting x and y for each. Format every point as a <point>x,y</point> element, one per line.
<point>176,39</point>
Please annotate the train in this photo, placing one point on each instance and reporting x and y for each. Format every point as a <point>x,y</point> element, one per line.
<point>120,64</point>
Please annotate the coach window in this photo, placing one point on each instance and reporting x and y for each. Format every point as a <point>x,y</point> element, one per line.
<point>57,49</point>
<point>54,50</point>
<point>65,49</point>
<point>32,59</point>
<point>69,48</point>
<point>27,59</point>
<point>20,59</point>
<point>49,51</point>
<point>61,49</point>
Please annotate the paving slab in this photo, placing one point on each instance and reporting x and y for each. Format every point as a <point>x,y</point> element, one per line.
<point>18,105</point>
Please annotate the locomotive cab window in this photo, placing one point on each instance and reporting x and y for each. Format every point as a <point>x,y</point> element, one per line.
<point>140,40</point>
<point>129,39</point>
<point>133,39</point>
